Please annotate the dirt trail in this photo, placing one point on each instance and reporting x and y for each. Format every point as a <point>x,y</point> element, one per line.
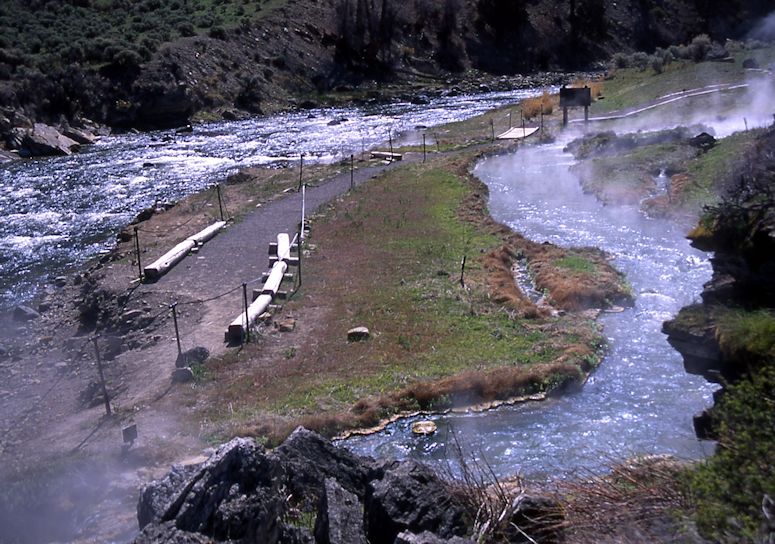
<point>85,482</point>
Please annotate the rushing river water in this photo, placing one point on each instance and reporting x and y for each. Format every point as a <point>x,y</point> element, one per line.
<point>640,401</point>
<point>58,212</point>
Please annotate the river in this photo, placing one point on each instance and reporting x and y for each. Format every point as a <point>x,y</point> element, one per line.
<point>56,213</point>
<point>640,400</point>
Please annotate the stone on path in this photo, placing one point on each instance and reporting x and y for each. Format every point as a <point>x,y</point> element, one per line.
<point>358,334</point>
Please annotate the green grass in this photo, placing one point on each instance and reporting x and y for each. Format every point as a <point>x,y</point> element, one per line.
<point>576,264</point>
<point>712,170</point>
<point>747,334</point>
<point>631,87</point>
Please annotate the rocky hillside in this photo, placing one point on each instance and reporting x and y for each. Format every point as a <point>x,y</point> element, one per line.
<point>154,63</point>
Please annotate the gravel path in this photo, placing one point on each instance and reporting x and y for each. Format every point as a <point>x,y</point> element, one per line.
<point>240,254</point>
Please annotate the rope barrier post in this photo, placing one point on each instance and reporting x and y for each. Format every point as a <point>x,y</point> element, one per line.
<point>220,202</point>
<point>247,323</point>
<point>352,172</point>
<point>462,272</point>
<point>390,139</point>
<point>492,129</point>
<point>423,147</point>
<point>137,250</point>
<point>177,330</point>
<point>298,268</point>
<point>438,143</point>
<point>102,377</point>
<point>303,211</point>
<point>522,118</point>
<point>301,168</point>
<point>510,118</point>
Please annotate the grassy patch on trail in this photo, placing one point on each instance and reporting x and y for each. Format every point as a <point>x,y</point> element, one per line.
<point>388,256</point>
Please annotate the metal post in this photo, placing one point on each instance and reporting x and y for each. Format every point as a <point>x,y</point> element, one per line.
<point>220,201</point>
<point>352,174</point>
<point>298,268</point>
<point>423,147</point>
<point>301,168</point>
<point>137,249</point>
<point>247,322</point>
<point>177,331</point>
<point>102,377</point>
<point>303,210</point>
<point>522,118</point>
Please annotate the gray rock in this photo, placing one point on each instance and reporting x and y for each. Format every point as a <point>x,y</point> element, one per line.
<point>411,497</point>
<point>429,538</point>
<point>358,334</point>
<point>25,313</point>
<point>340,517</point>
<point>310,459</point>
<point>45,140</point>
<point>235,495</point>
<point>182,375</point>
<point>156,498</point>
<point>192,357</point>
<point>167,533</point>
<point>79,136</point>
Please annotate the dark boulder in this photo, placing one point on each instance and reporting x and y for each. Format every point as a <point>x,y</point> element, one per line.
<point>411,497</point>
<point>340,517</point>
<point>79,136</point>
<point>25,313</point>
<point>167,533</point>
<point>157,497</point>
<point>44,140</point>
<point>310,459</point>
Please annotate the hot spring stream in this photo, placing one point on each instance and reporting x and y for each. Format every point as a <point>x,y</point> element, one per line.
<point>640,400</point>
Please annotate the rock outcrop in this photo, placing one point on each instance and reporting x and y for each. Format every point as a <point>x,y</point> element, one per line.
<point>244,493</point>
<point>45,140</point>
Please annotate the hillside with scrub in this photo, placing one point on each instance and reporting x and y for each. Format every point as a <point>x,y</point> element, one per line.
<point>157,63</point>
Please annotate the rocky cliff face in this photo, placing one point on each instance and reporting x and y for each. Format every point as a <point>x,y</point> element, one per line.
<point>720,339</point>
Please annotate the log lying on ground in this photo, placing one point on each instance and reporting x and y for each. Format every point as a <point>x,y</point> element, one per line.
<point>164,263</point>
<point>238,328</point>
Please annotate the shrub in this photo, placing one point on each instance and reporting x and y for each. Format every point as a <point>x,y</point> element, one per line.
<point>621,60</point>
<point>728,487</point>
<point>218,33</point>
<point>699,47</point>
<point>639,60</point>
<point>186,29</point>
<point>657,64</point>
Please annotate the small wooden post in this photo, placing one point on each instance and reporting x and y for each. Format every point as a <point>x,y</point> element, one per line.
<point>390,139</point>
<point>522,118</point>
<point>220,200</point>
<point>586,114</point>
<point>102,377</point>
<point>137,249</point>
<point>462,272</point>
<point>492,129</point>
<point>565,116</point>
<point>303,211</point>
<point>423,147</point>
<point>177,330</point>
<point>247,320</point>
<point>301,168</point>
<point>352,175</point>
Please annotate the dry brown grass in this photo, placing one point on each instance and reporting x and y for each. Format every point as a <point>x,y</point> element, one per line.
<point>502,287</point>
<point>595,85</point>
<point>546,104</point>
<point>637,502</point>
